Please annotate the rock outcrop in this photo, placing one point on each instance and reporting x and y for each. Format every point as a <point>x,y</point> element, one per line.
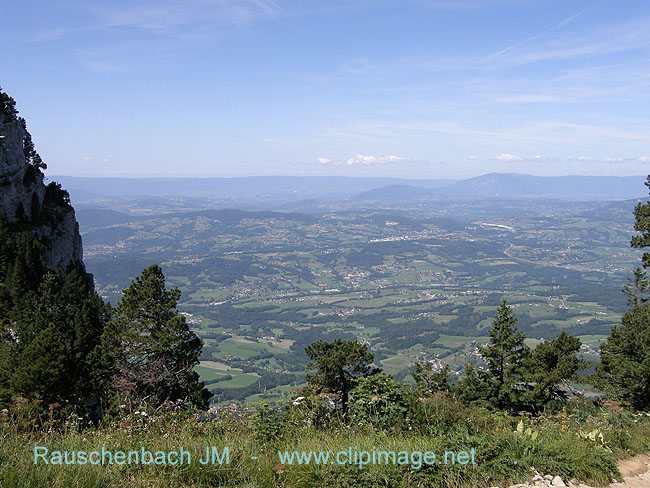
<point>26,202</point>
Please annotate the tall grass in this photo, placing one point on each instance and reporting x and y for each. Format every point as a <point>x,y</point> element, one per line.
<point>557,443</point>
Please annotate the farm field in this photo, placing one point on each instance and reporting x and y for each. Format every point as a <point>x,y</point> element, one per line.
<point>417,284</point>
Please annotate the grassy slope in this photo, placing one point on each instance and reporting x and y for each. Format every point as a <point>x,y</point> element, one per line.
<point>503,455</point>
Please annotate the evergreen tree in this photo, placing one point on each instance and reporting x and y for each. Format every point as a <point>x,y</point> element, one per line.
<point>624,369</point>
<point>44,368</point>
<point>506,355</point>
<point>473,386</point>
<point>553,364</point>
<point>637,288</point>
<point>50,325</point>
<point>642,225</point>
<point>338,366</point>
<point>152,348</point>
<point>68,314</point>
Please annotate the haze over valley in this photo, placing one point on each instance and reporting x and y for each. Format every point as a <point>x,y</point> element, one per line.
<point>415,268</point>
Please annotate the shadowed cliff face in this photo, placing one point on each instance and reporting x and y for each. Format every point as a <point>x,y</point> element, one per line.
<point>28,204</point>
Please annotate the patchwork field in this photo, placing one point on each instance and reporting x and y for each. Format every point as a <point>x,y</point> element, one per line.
<point>416,284</point>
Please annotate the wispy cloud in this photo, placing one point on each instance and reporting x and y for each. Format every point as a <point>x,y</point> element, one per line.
<point>511,158</point>
<point>610,38</point>
<point>568,20</point>
<point>93,159</point>
<point>362,160</point>
<point>171,15</point>
<point>530,132</point>
<point>507,157</point>
<point>636,159</point>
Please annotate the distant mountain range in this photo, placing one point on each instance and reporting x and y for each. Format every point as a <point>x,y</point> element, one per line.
<point>252,185</point>
<point>306,190</point>
<point>511,185</point>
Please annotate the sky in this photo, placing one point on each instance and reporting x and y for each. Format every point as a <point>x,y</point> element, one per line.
<point>405,88</point>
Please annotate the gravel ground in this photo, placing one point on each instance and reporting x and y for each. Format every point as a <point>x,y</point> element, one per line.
<point>635,471</point>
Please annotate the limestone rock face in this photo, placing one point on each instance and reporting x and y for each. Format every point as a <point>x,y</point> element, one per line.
<point>30,205</point>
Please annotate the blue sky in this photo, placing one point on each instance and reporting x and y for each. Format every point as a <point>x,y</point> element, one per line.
<point>410,88</point>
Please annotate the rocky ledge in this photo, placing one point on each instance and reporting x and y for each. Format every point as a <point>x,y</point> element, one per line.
<point>30,205</point>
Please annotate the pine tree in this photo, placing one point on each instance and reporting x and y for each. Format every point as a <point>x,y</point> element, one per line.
<point>473,386</point>
<point>553,364</point>
<point>50,325</point>
<point>637,288</point>
<point>338,366</point>
<point>68,313</point>
<point>153,349</point>
<point>624,369</point>
<point>642,225</point>
<point>44,368</point>
<point>506,355</point>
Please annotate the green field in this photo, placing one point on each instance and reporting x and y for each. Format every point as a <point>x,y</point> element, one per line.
<point>258,289</point>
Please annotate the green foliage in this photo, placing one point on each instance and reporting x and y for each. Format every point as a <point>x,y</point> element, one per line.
<point>552,364</point>
<point>270,422</point>
<point>504,455</point>
<point>8,114</point>
<point>429,381</point>
<point>474,385</point>
<point>56,196</point>
<point>31,156</point>
<point>637,288</point>
<point>44,367</point>
<point>152,349</point>
<point>338,366</point>
<point>519,378</point>
<point>624,369</point>
<point>50,327</point>
<point>7,107</point>
<point>506,355</point>
<point>642,225</point>
<point>377,399</point>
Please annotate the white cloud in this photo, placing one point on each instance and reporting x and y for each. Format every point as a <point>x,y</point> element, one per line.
<point>362,160</point>
<point>541,159</point>
<point>511,158</point>
<point>92,159</point>
<point>638,159</point>
<point>609,159</point>
<point>505,157</point>
<point>473,157</point>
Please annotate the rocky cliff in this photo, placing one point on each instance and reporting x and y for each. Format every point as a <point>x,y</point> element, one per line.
<point>26,202</point>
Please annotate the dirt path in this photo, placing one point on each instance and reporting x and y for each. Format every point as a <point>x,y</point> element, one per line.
<point>635,471</point>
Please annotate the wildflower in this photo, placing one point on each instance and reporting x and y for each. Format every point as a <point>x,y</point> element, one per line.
<point>297,401</point>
